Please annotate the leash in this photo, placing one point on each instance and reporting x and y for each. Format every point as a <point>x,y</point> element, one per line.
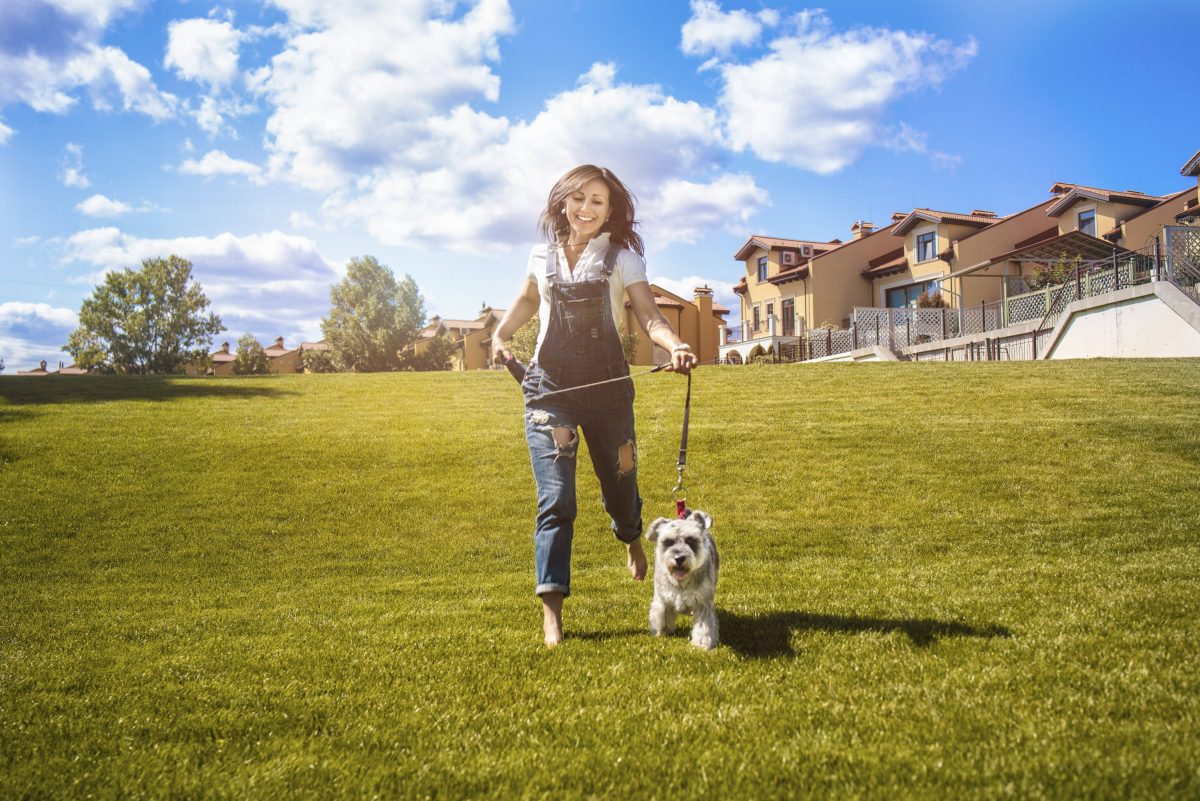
<point>680,492</point>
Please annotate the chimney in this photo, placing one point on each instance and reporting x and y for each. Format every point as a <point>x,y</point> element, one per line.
<point>279,343</point>
<point>982,213</point>
<point>861,229</point>
<point>224,347</point>
<point>42,365</point>
<point>897,216</point>
<point>707,336</point>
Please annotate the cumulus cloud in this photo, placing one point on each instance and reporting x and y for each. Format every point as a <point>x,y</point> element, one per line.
<point>421,196</point>
<point>711,30</point>
<point>72,174</point>
<point>101,206</point>
<point>904,138</point>
<point>51,48</point>
<point>203,50</point>
<point>32,332</point>
<point>817,99</point>
<point>270,284</point>
<point>218,162</point>
<point>5,133</point>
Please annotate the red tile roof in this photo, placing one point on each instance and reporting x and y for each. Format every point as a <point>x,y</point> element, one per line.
<point>916,216</point>
<point>1191,166</point>
<point>774,243</point>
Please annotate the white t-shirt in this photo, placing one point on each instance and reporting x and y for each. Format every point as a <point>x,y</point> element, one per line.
<point>630,268</point>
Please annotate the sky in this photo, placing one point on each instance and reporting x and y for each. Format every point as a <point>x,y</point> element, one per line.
<point>271,142</point>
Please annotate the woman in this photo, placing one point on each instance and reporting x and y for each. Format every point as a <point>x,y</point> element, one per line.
<point>577,284</point>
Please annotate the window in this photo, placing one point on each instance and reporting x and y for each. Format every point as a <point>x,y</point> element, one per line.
<point>770,312</point>
<point>1087,221</point>
<point>905,297</point>
<point>926,245</point>
<point>757,318</point>
<point>788,310</point>
<point>762,269</point>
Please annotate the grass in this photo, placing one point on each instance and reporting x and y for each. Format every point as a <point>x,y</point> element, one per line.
<point>964,580</point>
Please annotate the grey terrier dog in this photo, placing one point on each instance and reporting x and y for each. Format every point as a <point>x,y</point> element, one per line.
<point>685,576</point>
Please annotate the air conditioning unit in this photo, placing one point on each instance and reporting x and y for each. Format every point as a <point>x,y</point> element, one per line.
<point>787,258</point>
<point>806,250</point>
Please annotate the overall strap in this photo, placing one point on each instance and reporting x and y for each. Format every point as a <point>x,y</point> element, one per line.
<point>610,260</point>
<point>551,262</point>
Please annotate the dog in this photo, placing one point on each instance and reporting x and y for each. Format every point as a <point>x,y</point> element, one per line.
<point>685,576</point>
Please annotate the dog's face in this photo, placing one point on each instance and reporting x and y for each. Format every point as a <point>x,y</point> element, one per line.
<point>683,546</point>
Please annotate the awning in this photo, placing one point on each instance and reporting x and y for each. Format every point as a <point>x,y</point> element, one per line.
<point>1069,246</point>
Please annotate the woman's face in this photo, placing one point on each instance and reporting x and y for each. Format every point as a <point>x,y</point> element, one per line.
<point>587,209</point>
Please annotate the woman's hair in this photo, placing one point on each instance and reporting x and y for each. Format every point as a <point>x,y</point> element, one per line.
<point>553,223</point>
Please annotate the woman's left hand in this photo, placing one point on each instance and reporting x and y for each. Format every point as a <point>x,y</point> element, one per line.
<point>682,361</point>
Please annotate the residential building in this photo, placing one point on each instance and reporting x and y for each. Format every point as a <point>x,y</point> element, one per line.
<point>473,338</point>
<point>282,359</point>
<point>698,322</point>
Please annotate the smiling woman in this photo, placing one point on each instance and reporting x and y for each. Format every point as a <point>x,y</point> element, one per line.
<point>577,283</point>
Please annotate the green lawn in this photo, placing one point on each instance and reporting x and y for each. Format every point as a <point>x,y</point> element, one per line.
<point>938,581</point>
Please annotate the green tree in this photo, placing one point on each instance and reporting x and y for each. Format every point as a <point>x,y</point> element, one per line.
<point>251,358</point>
<point>150,320</point>
<point>524,340</point>
<point>318,361</point>
<point>373,318</point>
<point>435,356</point>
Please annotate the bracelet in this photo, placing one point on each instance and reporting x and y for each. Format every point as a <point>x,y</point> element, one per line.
<point>682,346</point>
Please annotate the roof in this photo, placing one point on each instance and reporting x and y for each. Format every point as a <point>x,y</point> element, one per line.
<point>853,242</point>
<point>1073,193</point>
<point>1181,194</point>
<point>1069,245</point>
<point>471,325</point>
<point>917,216</point>
<point>1191,166</point>
<point>891,262</point>
<point>758,241</point>
<point>322,345</point>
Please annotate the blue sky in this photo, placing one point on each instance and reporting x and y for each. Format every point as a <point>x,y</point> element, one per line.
<point>271,142</point>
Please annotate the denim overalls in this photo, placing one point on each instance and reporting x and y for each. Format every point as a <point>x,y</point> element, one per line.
<point>581,346</point>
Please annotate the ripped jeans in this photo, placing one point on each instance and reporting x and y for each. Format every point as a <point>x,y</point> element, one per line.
<point>603,415</point>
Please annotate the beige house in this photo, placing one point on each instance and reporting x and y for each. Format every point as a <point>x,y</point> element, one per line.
<point>699,322</point>
<point>472,338</point>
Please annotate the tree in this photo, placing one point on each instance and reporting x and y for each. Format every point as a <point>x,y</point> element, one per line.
<point>318,361</point>
<point>373,318</point>
<point>524,340</point>
<point>150,320</point>
<point>251,358</point>
<point>435,356</point>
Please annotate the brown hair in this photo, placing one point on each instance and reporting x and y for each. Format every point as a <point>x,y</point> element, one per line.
<point>553,224</point>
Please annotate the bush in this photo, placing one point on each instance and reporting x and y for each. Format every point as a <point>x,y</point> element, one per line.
<point>931,300</point>
<point>318,361</point>
<point>251,359</point>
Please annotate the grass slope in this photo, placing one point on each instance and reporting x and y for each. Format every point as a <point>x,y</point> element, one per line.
<point>937,581</point>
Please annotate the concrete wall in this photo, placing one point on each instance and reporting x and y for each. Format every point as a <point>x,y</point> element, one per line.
<point>1154,320</point>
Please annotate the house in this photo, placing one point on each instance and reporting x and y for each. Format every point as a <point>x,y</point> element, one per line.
<point>282,359</point>
<point>774,291</point>
<point>472,338</point>
<point>926,256</point>
<point>699,322</point>
<point>39,370</point>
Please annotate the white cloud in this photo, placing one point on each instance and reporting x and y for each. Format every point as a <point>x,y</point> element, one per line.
<point>905,138</point>
<point>218,162</point>
<point>27,241</point>
<point>711,30</point>
<point>72,167</point>
<point>51,49</point>
<point>6,133</point>
<point>421,197</point>
<point>816,100</point>
<point>203,50</point>
<point>12,312</point>
<point>101,206</point>
<point>269,284</point>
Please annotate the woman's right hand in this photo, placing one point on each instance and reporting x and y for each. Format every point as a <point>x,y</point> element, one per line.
<point>500,352</point>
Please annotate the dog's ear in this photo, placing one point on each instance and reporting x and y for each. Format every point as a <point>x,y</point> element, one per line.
<point>652,532</point>
<point>702,518</point>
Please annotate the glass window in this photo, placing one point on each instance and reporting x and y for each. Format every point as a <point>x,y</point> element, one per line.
<point>762,269</point>
<point>757,318</point>
<point>1087,221</point>
<point>905,297</point>
<point>926,245</point>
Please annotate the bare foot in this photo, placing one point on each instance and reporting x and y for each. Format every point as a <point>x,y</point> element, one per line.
<point>552,603</point>
<point>636,560</point>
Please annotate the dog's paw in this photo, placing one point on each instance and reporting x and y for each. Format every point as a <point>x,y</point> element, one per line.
<point>707,643</point>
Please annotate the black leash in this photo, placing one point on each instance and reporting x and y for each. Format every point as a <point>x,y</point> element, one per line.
<point>680,492</point>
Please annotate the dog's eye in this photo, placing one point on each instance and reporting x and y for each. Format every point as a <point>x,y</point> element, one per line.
<point>668,543</point>
<point>693,543</point>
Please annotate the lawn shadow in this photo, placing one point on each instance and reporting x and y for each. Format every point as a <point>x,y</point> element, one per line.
<point>769,635</point>
<point>600,636</point>
<point>46,390</point>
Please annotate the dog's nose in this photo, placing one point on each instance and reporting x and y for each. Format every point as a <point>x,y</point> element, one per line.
<point>679,561</point>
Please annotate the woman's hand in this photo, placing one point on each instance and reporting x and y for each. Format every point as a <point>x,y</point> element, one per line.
<point>682,361</point>
<point>500,352</point>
